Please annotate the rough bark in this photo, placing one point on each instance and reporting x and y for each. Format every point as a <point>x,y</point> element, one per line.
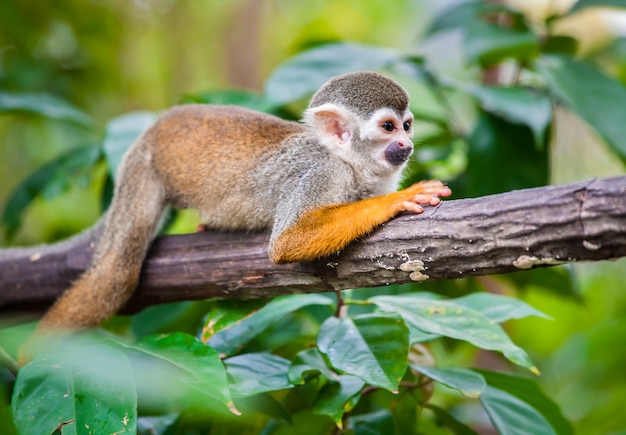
<point>584,221</point>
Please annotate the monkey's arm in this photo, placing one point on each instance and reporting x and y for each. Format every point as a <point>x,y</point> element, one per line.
<point>326,230</point>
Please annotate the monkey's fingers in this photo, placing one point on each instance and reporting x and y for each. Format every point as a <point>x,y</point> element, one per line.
<point>431,187</point>
<point>426,199</point>
<point>412,207</point>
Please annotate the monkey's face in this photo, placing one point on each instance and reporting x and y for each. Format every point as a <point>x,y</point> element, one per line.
<point>389,135</point>
<point>379,144</point>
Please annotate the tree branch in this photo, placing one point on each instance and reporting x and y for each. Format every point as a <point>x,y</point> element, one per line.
<point>584,221</point>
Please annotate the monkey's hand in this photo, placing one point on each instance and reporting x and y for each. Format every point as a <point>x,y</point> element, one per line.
<point>421,193</point>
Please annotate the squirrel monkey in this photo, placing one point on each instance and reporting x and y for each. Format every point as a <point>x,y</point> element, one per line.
<point>318,185</point>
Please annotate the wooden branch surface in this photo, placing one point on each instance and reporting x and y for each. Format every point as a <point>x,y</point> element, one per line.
<point>584,221</point>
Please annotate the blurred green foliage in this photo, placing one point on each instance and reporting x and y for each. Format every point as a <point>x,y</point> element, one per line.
<point>491,88</point>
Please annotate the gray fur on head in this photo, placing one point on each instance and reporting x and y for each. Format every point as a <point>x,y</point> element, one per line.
<point>362,93</point>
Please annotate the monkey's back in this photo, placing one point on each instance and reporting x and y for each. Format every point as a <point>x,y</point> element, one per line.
<point>206,156</point>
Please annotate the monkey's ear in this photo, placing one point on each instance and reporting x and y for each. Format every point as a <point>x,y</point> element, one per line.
<point>331,122</point>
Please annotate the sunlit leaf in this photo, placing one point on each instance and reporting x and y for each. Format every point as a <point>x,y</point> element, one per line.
<point>514,401</point>
<point>121,133</point>
<point>499,308</point>
<point>338,397</point>
<point>92,391</point>
<point>201,366</point>
<point>594,96</point>
<point>230,340</point>
<point>304,73</point>
<point>51,179</point>
<point>373,347</point>
<point>468,382</point>
<point>308,363</point>
<point>254,373</point>
<point>454,320</point>
<point>517,105</point>
<point>42,104</point>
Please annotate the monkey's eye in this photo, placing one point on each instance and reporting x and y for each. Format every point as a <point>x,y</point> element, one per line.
<point>388,125</point>
<point>407,125</point>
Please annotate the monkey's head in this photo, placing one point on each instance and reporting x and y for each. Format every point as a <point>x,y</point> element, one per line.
<point>364,118</point>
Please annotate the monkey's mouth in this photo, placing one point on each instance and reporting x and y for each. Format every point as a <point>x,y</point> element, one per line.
<point>397,153</point>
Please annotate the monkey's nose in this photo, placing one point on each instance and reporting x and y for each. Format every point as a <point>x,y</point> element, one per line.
<point>397,153</point>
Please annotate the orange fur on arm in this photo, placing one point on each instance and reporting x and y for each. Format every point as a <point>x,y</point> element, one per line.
<point>328,229</point>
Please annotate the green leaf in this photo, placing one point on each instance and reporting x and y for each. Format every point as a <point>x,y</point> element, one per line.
<point>499,308</point>
<point>254,373</point>
<point>511,416</point>
<point>170,317</point>
<point>309,363</point>
<point>91,390</point>
<point>558,280</point>
<point>418,336</point>
<point>468,382</point>
<point>7,427</point>
<point>304,73</point>
<point>338,397</point>
<point>489,43</point>
<point>51,179</point>
<point>121,133</point>
<point>456,321</point>
<point>157,425</point>
<point>236,97</point>
<point>42,104</point>
<point>446,419</point>
<point>226,314</point>
<point>265,404</point>
<point>594,96</point>
<point>406,409</point>
<point>373,423</point>
<point>502,157</point>
<point>559,44</point>
<point>462,15</point>
<point>581,4</point>
<point>514,402</point>
<point>517,105</point>
<point>200,365</point>
<point>373,347</point>
<point>231,340</point>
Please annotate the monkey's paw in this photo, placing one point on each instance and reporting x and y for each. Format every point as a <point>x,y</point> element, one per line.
<point>424,193</point>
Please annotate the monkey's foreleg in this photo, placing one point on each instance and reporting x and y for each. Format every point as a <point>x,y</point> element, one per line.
<point>326,230</point>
